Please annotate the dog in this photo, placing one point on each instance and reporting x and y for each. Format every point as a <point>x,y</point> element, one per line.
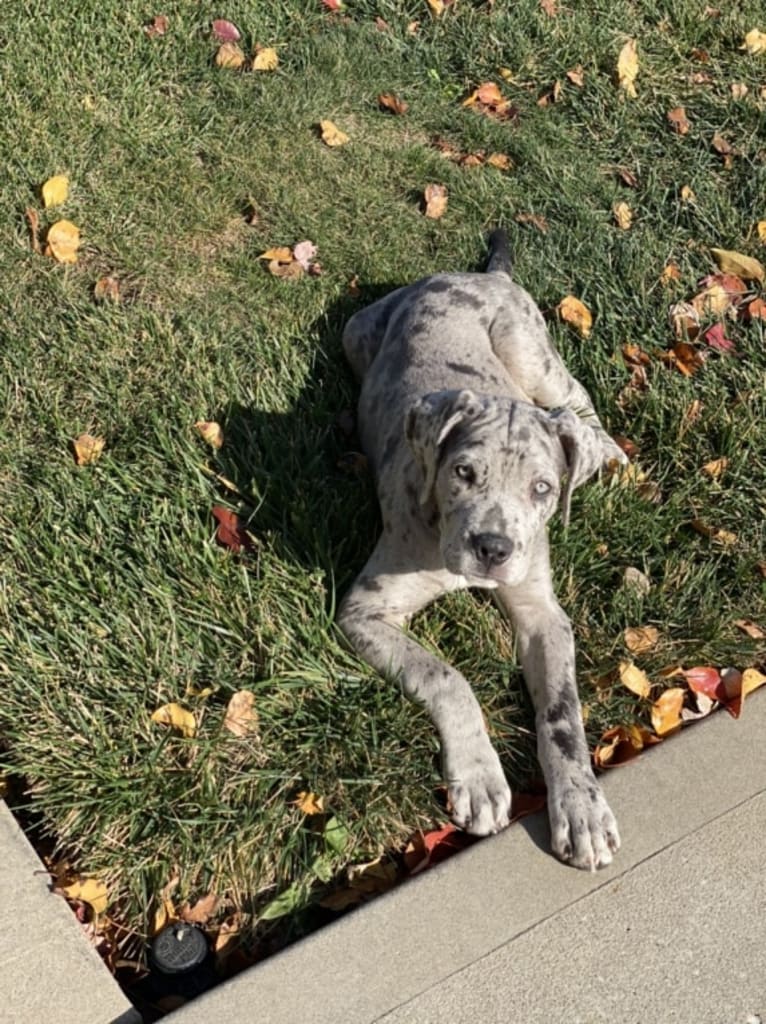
<point>475,433</point>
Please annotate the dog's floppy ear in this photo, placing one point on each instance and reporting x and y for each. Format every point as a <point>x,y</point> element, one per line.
<point>583,453</point>
<point>427,425</point>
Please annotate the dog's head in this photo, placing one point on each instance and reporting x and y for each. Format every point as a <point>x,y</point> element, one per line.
<point>496,469</point>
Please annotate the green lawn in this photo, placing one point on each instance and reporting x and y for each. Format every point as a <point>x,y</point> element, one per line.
<point>115,598</point>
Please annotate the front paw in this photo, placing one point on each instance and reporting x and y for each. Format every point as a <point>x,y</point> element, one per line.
<point>613,457</point>
<point>583,830</point>
<point>479,796</point>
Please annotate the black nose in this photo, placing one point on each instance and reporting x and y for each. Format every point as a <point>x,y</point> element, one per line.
<point>491,548</point>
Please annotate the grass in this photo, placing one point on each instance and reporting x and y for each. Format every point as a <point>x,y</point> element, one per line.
<point>115,598</point>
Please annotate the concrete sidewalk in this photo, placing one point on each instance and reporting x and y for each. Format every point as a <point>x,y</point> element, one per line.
<point>673,931</point>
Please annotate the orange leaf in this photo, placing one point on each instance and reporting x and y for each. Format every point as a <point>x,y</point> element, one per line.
<point>201,911</point>
<point>640,639</point>
<point>63,241</point>
<point>666,711</point>
<point>107,289</point>
<point>748,626</point>
<point>332,135</point>
<point>574,312</point>
<point>678,121</point>
<point>211,432</point>
<point>634,678</point>
<point>387,101</point>
<point>229,55</point>
<point>621,744</point>
<point>705,680</point>
<point>231,531</point>
<point>715,467</point>
<point>87,449</point>
<point>309,803</point>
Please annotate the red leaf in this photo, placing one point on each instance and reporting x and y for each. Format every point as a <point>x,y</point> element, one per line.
<point>224,31</point>
<point>333,5</point>
<point>734,286</point>
<point>705,680</point>
<point>715,338</point>
<point>230,532</point>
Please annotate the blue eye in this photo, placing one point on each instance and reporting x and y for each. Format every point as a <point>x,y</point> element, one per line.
<point>541,488</point>
<point>464,472</point>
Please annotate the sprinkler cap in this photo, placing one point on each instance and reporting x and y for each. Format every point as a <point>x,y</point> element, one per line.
<point>178,948</point>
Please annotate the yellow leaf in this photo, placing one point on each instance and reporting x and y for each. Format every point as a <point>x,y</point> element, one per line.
<point>241,718</point>
<point>291,270</point>
<point>500,161</point>
<point>713,301</point>
<point>177,718</point>
<point>760,228</point>
<point>229,55</point>
<point>437,7</point>
<point>282,254</point>
<point>309,803</point>
<point>55,191</point>
<point>640,639</point>
<point>331,134</point>
<point>666,711</point>
<point>751,680</point>
<point>87,449</point>
<point>211,432</point>
<point>754,42</point>
<point>574,312</point>
<point>725,538</point>
<point>687,194</point>
<point>435,197</point>
<point>627,68</point>
<point>635,679</point>
<point>670,273</point>
<point>715,467</point>
<point>623,215</point>
<point>90,891</point>
<point>63,241</point>
<point>732,262</point>
<point>265,59</point>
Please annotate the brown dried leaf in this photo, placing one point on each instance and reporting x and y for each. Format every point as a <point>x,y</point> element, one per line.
<point>241,717</point>
<point>748,626</point>
<point>107,289</point>
<point>640,639</point>
<point>678,121</point>
<point>435,200</point>
<point>500,161</point>
<point>718,535</point>
<point>621,744</point>
<point>535,219</point>
<point>309,803</point>
<point>201,911</point>
<point>229,55</point>
<point>738,90</point>
<point>671,272</point>
<point>388,101</point>
<point>715,467</point>
<point>34,228</point>
<point>577,76</point>
<point>572,311</point>
<point>666,711</point>
<point>211,432</point>
<point>87,449</point>
<point>158,26</point>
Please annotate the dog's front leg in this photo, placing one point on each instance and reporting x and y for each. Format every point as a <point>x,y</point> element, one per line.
<point>583,829</point>
<point>372,615</point>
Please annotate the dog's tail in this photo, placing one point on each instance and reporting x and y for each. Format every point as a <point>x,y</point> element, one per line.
<point>499,261</point>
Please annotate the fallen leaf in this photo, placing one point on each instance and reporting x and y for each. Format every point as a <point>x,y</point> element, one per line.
<point>748,626</point>
<point>678,120</point>
<point>309,803</point>
<point>623,215</point>
<point>535,219</point>
<point>734,287</point>
<point>634,678</point>
<point>704,705</point>
<point>715,467</point>
<point>755,309</point>
<point>177,718</point>
<point>353,462</point>
<point>550,95</point>
<point>87,449</point>
<point>738,685</point>
<point>231,531</point>
<point>388,101</point>
<point>211,432</point>
<point>738,90</point>
<point>282,254</point>
<point>224,31</point>
<point>363,881</point>
<point>724,148</point>
<point>627,68</point>
<point>304,252</point>
<point>760,230</point>
<point>107,289</point>
<point>90,891</point>
<point>429,848</point>
<point>332,135</point>
<point>500,161</point>
<point>746,267</point>
<point>34,228</point>
<point>666,711</point>
<point>687,194</point>
<point>704,679</point>
<point>549,7</point>
<point>684,319</point>
<point>574,312</point>
<point>577,76</point>
<point>627,177</point>
<point>55,191</point>
<point>435,199</point>
<point>63,241</point>
<point>670,272</point>
<point>488,99</point>
<point>620,744</point>
<point>635,580</point>
<point>718,535</point>
<point>201,911</point>
<point>640,639</point>
<point>754,42</point>
<point>229,55</point>
<point>437,7</point>
<point>265,59</point>
<point>714,337</point>
<point>158,26</point>
<point>241,717</point>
